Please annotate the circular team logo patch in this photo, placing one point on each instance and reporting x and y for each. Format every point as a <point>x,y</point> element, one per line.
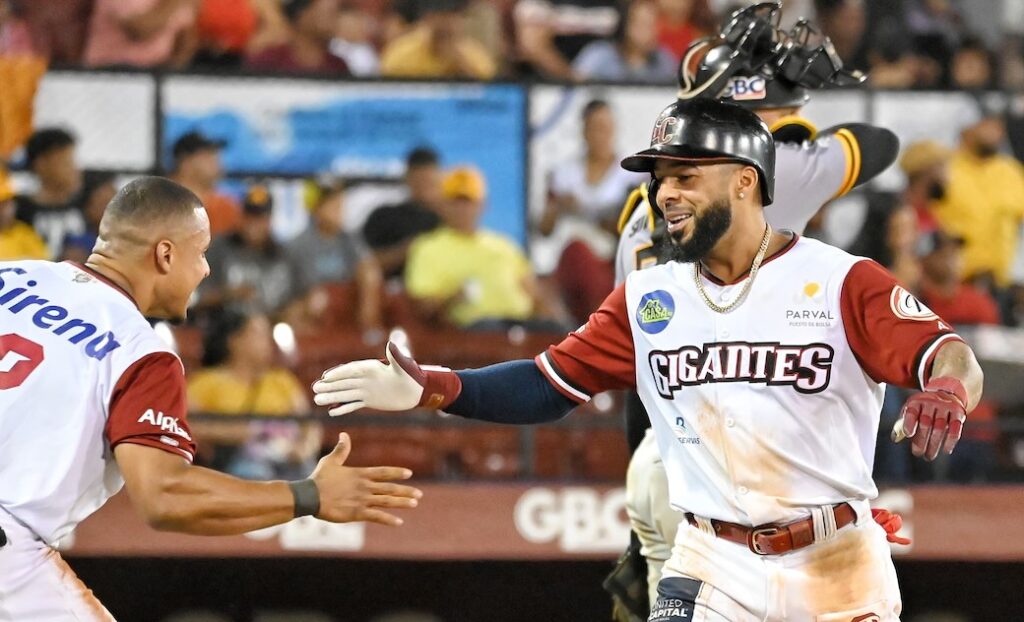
<point>907,307</point>
<point>655,311</point>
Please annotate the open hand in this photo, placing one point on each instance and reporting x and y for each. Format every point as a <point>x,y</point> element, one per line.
<point>350,494</point>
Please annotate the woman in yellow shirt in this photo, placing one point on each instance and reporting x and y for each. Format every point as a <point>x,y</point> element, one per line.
<point>240,377</point>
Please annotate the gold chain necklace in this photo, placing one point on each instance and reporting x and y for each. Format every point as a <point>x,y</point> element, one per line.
<point>754,267</point>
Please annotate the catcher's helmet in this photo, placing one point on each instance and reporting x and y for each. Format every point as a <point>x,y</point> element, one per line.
<point>706,129</point>
<point>754,63</point>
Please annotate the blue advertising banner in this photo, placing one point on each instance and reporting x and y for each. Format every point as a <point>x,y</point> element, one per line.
<point>307,127</point>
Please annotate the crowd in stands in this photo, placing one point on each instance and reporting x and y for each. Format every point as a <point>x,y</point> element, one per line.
<point>951,235</point>
<point>902,43</point>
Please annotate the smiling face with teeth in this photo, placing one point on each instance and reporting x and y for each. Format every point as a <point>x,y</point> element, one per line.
<point>696,197</point>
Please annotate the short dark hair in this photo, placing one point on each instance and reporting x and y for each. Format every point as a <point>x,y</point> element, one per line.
<point>148,200</point>
<point>593,106</point>
<point>218,333</point>
<point>44,141</point>
<point>421,156</point>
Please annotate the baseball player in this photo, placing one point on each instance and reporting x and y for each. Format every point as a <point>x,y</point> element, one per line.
<point>761,357</point>
<point>811,168</point>
<point>91,399</point>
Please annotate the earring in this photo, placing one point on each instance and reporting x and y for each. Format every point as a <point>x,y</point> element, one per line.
<point>742,195</point>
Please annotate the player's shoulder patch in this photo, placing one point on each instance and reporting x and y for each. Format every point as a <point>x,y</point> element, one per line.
<point>906,306</point>
<point>655,311</point>
<point>637,197</point>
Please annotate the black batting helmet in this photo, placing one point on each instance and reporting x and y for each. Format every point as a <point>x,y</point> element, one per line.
<point>754,63</point>
<point>706,129</point>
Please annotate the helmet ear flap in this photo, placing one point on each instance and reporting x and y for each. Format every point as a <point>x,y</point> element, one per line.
<point>652,195</point>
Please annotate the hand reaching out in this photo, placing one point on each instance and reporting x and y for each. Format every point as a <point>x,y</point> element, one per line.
<point>350,494</point>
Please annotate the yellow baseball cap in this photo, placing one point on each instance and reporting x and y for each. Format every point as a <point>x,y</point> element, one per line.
<point>6,189</point>
<point>922,155</point>
<point>464,182</point>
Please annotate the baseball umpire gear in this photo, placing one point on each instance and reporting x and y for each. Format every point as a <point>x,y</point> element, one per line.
<point>705,129</point>
<point>755,64</point>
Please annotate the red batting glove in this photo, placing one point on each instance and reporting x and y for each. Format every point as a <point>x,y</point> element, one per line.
<point>891,523</point>
<point>934,418</point>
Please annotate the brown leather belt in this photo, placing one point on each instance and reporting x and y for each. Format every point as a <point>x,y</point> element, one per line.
<point>775,539</point>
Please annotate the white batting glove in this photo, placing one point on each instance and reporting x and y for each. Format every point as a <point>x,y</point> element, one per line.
<point>400,384</point>
<point>371,384</point>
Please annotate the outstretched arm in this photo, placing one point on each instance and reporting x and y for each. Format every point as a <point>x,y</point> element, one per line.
<point>515,392</point>
<point>597,357</point>
<point>173,495</point>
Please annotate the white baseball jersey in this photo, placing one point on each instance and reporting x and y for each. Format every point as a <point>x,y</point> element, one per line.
<point>807,175</point>
<point>81,371</point>
<point>773,408</point>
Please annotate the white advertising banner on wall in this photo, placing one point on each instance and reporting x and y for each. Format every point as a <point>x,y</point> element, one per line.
<point>110,114</point>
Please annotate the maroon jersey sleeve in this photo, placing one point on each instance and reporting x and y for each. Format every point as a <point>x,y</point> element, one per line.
<point>892,334</point>
<point>597,357</point>
<point>149,406</point>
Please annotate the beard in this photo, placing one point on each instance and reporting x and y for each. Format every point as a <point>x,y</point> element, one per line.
<point>708,229</point>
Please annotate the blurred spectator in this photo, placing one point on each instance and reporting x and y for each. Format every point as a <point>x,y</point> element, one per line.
<point>58,27</point>
<point>52,210</point>
<point>550,33</point>
<point>197,166</point>
<point>972,67</point>
<point>272,27</point>
<point>325,254</point>
<point>438,47</point>
<point>248,269</point>
<point>901,248</point>
<point>633,54</point>
<point>1011,63</point>
<point>983,202</point>
<point>97,190</point>
<point>240,377</point>
<point>926,166</point>
<point>397,20</point>
<point>308,50</point>
<point>352,41</point>
<point>942,287</point>
<point>585,195</point>
<point>845,22</point>
<point>389,230</point>
<point>21,69</point>
<point>224,28</point>
<point>935,27</point>
<point>142,33</point>
<point>314,23</point>
<point>17,240</point>
<point>471,277</point>
<point>486,22</point>
<point>15,36</point>
<point>681,22</point>
<point>895,64</point>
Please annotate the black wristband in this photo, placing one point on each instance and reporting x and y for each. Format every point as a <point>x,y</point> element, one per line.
<point>307,497</point>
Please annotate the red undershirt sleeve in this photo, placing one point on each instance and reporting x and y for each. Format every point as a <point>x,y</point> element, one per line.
<point>597,357</point>
<point>893,335</point>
